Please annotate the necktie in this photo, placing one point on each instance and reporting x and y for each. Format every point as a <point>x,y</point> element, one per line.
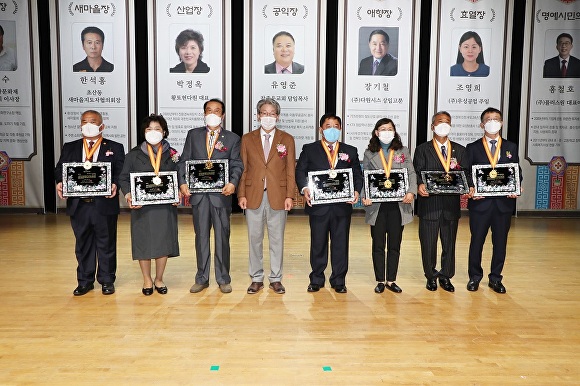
<point>493,142</point>
<point>564,69</point>
<point>284,70</point>
<point>91,144</point>
<point>266,152</point>
<point>443,151</point>
<point>375,65</point>
<point>211,138</point>
<point>330,148</point>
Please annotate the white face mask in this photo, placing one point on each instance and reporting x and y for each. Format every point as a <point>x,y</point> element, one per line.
<point>386,137</point>
<point>268,123</point>
<point>442,129</point>
<point>90,130</point>
<point>213,120</point>
<point>492,127</point>
<point>153,137</point>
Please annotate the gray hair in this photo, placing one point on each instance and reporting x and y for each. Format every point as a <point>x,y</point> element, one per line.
<point>268,101</point>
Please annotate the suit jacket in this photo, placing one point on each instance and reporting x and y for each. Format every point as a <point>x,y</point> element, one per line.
<point>552,68</point>
<point>109,151</point>
<point>388,66</point>
<point>426,159</point>
<point>313,158</point>
<point>278,169</point>
<point>372,161</point>
<point>297,68</point>
<point>477,156</point>
<point>195,149</point>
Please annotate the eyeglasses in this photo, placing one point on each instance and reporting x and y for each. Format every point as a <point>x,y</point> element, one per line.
<point>268,114</point>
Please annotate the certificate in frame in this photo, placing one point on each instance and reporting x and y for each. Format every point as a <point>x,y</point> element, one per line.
<point>504,181</point>
<point>331,186</point>
<point>379,189</point>
<point>206,176</point>
<point>441,182</point>
<point>144,191</point>
<point>80,181</point>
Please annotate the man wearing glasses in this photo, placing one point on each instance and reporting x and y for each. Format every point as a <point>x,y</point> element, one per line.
<point>564,65</point>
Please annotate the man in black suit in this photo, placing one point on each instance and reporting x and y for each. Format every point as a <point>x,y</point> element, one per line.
<point>380,62</point>
<point>439,213</point>
<point>283,47</point>
<point>564,65</point>
<point>490,212</point>
<point>328,219</point>
<point>93,219</point>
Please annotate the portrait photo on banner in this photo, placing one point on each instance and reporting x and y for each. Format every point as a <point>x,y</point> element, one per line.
<point>188,46</point>
<point>284,49</point>
<point>378,50</point>
<point>8,55</point>
<point>561,60</point>
<point>470,54</point>
<point>92,47</point>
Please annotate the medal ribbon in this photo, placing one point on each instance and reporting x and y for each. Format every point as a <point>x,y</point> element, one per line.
<point>444,162</point>
<point>492,159</point>
<point>89,153</point>
<point>155,160</point>
<point>331,159</point>
<point>207,142</point>
<point>387,166</point>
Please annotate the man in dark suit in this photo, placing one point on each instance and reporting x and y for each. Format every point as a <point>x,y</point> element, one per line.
<point>493,212</point>
<point>93,39</point>
<point>564,65</point>
<point>439,213</point>
<point>283,47</point>
<point>266,192</point>
<point>212,209</point>
<point>328,219</point>
<point>380,62</point>
<point>93,219</point>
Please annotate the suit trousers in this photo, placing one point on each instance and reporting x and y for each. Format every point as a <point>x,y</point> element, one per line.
<point>387,229</point>
<point>338,228</point>
<point>96,241</point>
<point>428,233</point>
<point>275,221</point>
<point>206,215</point>
<point>479,224</point>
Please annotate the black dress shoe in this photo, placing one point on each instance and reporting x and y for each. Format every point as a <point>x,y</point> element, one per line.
<point>341,289</point>
<point>431,284</point>
<point>314,287</point>
<point>473,285</point>
<point>497,287</point>
<point>394,288</point>
<point>108,288</point>
<point>161,290</point>
<point>445,283</point>
<point>147,291</point>
<point>380,288</point>
<point>81,290</point>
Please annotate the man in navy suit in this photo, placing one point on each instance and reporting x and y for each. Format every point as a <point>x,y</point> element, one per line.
<point>564,65</point>
<point>490,212</point>
<point>212,142</point>
<point>331,219</point>
<point>380,62</point>
<point>93,219</point>
<point>439,213</point>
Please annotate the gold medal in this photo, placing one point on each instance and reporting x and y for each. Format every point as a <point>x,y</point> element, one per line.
<point>332,174</point>
<point>493,173</point>
<point>156,180</point>
<point>388,184</point>
<point>87,165</point>
<point>209,165</point>
<point>447,177</point>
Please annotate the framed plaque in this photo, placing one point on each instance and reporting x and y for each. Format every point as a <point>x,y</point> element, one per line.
<point>81,180</point>
<point>380,189</point>
<point>504,181</point>
<point>330,186</point>
<point>205,176</point>
<point>146,191</point>
<point>440,182</point>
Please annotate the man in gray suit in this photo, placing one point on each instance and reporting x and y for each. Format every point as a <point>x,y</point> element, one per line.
<point>212,209</point>
<point>439,213</point>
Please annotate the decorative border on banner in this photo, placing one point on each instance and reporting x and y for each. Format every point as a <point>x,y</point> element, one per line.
<point>17,196</point>
<point>571,192</point>
<point>557,167</point>
<point>542,187</point>
<point>5,188</point>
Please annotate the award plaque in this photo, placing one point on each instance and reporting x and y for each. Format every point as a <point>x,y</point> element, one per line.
<point>441,182</point>
<point>148,189</point>
<point>503,180</point>
<point>379,188</point>
<point>330,186</point>
<point>205,176</point>
<point>81,179</point>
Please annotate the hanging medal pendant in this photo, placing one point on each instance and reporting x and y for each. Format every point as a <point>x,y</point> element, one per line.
<point>156,180</point>
<point>447,177</point>
<point>332,174</point>
<point>87,165</point>
<point>493,174</point>
<point>388,184</point>
<point>209,165</point>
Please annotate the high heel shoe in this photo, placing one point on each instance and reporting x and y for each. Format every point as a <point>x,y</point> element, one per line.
<point>147,291</point>
<point>161,290</point>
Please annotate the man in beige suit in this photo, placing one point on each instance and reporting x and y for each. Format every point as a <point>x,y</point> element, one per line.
<point>266,192</point>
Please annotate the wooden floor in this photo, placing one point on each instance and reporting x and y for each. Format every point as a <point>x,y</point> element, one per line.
<point>529,336</point>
